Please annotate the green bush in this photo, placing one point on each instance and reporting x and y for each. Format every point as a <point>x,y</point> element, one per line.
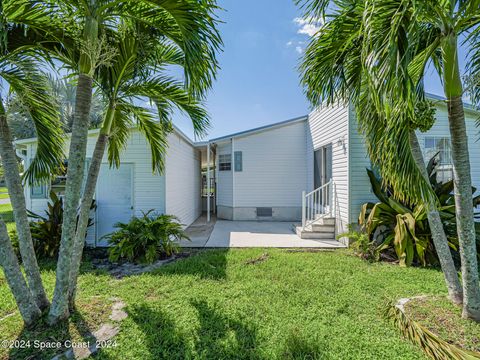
<point>361,243</point>
<point>145,239</point>
<point>47,230</point>
<point>402,229</point>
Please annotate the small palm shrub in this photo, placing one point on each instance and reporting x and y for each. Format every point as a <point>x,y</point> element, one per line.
<point>47,230</point>
<point>401,230</point>
<point>146,238</point>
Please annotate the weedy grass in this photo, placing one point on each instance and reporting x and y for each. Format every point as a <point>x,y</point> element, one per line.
<point>444,319</point>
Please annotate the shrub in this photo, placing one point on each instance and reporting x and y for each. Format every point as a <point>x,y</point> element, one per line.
<point>144,239</point>
<point>47,230</point>
<point>402,229</point>
<point>361,243</point>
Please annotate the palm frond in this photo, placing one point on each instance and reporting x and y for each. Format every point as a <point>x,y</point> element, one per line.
<point>169,94</point>
<point>32,88</point>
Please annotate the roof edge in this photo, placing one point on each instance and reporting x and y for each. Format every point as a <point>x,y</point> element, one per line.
<point>261,128</point>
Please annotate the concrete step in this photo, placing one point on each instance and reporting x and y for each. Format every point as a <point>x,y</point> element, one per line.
<point>323,228</point>
<point>308,233</point>
<point>321,220</point>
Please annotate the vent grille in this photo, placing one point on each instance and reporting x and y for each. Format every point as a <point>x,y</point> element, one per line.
<point>264,212</point>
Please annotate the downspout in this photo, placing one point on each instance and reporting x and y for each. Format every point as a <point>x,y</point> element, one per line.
<point>233,178</point>
<point>208,182</point>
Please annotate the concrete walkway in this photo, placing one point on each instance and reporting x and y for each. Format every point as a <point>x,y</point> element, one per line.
<point>245,234</point>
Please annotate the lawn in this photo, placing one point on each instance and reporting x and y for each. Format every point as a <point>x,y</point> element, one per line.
<point>220,304</point>
<point>4,193</point>
<point>7,215</point>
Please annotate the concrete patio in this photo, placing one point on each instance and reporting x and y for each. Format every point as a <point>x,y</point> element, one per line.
<point>245,234</point>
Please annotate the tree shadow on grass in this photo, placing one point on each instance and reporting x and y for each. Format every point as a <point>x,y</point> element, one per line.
<point>36,342</point>
<point>217,337</point>
<point>208,264</point>
<point>300,347</point>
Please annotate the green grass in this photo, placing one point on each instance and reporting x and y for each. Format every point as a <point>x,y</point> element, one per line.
<point>443,318</point>
<point>221,305</point>
<point>7,215</point>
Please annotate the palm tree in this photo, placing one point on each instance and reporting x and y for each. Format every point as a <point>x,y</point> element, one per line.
<point>18,71</point>
<point>189,24</point>
<point>404,37</point>
<point>333,69</point>
<point>132,78</point>
<point>63,91</point>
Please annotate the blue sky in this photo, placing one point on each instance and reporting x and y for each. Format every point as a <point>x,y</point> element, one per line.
<point>258,82</point>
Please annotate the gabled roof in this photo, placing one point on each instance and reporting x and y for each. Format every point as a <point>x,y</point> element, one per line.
<point>261,128</point>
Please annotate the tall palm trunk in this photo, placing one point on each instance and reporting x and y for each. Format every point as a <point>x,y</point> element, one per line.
<point>438,233</point>
<point>462,179</point>
<point>8,261</point>
<point>76,164</point>
<point>87,199</point>
<point>17,198</point>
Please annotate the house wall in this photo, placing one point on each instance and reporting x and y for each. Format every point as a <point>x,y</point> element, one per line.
<point>361,192</point>
<point>183,180</point>
<point>149,189</point>
<point>224,189</point>
<point>330,125</point>
<point>273,174</point>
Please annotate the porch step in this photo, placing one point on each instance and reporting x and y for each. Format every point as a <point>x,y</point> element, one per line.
<point>322,220</point>
<point>325,233</point>
<point>323,228</point>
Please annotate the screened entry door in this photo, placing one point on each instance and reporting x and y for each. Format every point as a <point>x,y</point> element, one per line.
<point>322,174</point>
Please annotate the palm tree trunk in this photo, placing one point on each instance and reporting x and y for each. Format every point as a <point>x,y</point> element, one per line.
<point>87,199</point>
<point>17,198</point>
<point>462,180</point>
<point>438,233</point>
<point>76,167</point>
<point>9,263</point>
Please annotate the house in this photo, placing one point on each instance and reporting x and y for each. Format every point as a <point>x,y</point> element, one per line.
<point>132,188</point>
<point>308,170</point>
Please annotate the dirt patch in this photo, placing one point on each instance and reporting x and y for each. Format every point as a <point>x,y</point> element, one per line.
<point>120,270</point>
<point>441,317</point>
<point>258,260</point>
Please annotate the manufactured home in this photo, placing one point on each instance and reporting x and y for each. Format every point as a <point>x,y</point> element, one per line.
<point>309,170</point>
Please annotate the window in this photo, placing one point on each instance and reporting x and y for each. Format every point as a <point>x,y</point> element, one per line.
<point>440,147</point>
<point>238,161</point>
<point>39,191</point>
<point>224,162</point>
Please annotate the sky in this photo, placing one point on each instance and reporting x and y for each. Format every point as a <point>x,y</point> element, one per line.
<point>258,82</point>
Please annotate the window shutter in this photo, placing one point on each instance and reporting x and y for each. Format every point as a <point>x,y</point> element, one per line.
<point>238,161</point>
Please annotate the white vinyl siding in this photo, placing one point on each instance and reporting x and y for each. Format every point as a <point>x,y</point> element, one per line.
<point>360,189</point>
<point>183,180</point>
<point>441,130</point>
<point>273,167</point>
<point>329,125</point>
<point>224,178</point>
<point>149,192</point>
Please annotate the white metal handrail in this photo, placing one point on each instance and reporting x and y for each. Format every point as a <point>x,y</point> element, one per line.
<point>318,203</point>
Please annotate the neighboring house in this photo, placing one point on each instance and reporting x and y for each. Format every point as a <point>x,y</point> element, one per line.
<point>305,170</point>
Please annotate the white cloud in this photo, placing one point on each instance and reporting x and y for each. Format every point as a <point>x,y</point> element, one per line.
<point>299,49</point>
<point>308,26</point>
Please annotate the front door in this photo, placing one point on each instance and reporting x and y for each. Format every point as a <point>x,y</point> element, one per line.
<point>322,174</point>
<point>113,199</point>
<point>322,166</point>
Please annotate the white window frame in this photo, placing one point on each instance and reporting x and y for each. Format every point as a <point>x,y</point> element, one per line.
<point>445,164</point>
<point>225,162</point>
